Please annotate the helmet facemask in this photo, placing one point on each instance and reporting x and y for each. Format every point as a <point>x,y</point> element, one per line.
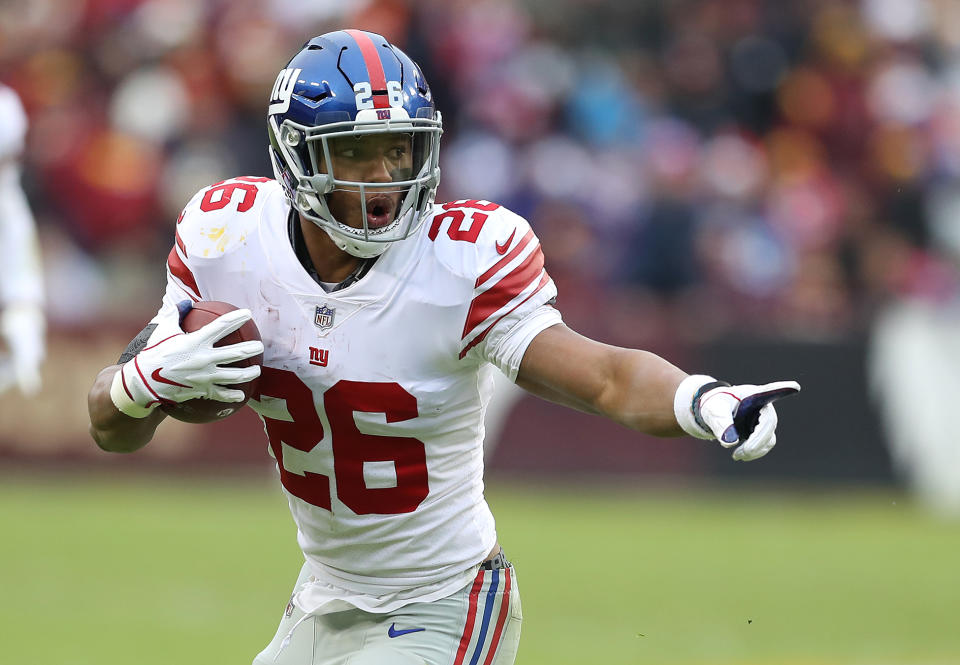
<point>324,170</point>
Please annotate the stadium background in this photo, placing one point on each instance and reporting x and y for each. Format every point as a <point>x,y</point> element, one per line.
<point>757,189</point>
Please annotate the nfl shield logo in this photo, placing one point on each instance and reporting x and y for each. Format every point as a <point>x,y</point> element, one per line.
<point>324,317</point>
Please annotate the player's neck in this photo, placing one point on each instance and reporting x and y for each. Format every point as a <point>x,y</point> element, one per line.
<point>332,264</point>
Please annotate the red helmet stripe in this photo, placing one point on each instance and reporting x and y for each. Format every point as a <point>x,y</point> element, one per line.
<point>378,81</point>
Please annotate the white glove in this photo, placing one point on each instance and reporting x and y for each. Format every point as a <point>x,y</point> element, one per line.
<point>182,366</point>
<point>23,327</point>
<point>744,415</point>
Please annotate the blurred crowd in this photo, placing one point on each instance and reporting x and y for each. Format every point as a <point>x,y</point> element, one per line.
<point>693,167</point>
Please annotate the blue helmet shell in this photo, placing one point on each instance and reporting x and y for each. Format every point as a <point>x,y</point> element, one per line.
<point>351,82</point>
<point>332,64</point>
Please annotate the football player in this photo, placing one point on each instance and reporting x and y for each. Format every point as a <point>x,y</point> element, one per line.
<point>383,315</point>
<point>22,323</point>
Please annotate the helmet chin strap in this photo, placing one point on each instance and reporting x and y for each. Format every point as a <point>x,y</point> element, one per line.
<point>361,250</point>
<point>309,205</point>
<point>354,247</point>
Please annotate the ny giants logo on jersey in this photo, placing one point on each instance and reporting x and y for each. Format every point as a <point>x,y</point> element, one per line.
<point>324,317</point>
<point>319,357</point>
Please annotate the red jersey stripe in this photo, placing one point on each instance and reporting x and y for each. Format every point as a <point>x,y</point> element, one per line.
<point>479,338</point>
<point>180,270</point>
<point>508,288</point>
<point>471,618</point>
<point>524,241</point>
<point>501,618</point>
<point>378,81</point>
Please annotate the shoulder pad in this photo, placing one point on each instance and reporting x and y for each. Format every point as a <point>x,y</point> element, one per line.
<point>497,251</point>
<point>473,236</point>
<point>218,218</point>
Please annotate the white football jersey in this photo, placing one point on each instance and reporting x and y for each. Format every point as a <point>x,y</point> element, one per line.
<point>373,396</point>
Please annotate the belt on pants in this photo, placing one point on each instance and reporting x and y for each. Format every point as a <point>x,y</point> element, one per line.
<point>496,563</point>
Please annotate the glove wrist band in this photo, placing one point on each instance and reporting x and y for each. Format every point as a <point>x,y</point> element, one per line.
<point>122,399</point>
<point>695,402</point>
<point>686,404</point>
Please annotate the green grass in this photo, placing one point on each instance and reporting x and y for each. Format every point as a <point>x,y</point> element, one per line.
<point>153,571</point>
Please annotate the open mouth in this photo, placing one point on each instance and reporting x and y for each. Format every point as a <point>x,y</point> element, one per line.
<point>380,211</point>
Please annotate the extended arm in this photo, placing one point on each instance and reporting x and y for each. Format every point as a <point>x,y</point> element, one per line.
<point>634,388</point>
<point>645,392</point>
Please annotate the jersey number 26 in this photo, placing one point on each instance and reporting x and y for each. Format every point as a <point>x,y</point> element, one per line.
<point>351,447</point>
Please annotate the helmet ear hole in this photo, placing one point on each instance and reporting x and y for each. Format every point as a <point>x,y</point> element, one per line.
<point>309,202</point>
<point>290,136</point>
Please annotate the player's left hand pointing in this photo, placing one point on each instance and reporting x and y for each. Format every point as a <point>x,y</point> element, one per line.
<point>744,415</point>
<point>737,416</point>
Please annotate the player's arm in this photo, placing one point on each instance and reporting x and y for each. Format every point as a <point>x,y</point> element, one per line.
<point>162,365</point>
<point>113,430</point>
<point>634,388</point>
<point>645,392</point>
<point>510,322</point>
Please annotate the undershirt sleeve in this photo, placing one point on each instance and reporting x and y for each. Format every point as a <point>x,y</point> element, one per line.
<point>137,344</point>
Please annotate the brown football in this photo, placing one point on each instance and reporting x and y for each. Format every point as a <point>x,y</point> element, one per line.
<point>203,410</point>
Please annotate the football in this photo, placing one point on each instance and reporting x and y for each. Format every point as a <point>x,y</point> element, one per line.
<point>203,410</point>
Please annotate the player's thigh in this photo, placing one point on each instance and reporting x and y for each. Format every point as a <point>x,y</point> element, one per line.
<point>492,619</point>
<point>480,621</point>
<point>289,646</point>
<point>385,656</point>
<point>487,622</point>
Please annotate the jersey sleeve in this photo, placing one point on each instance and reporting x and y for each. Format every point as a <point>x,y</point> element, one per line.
<point>507,352</point>
<point>511,295</point>
<point>181,281</point>
<point>213,225</point>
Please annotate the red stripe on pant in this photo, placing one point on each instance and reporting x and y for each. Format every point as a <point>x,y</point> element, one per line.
<point>501,619</point>
<point>471,618</point>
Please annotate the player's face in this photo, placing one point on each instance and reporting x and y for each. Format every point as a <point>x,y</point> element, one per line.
<point>378,159</point>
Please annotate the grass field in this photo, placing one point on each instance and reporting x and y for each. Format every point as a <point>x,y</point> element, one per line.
<point>151,571</point>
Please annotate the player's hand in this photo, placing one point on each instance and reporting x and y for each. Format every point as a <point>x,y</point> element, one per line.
<point>176,366</point>
<point>743,416</point>
<point>23,327</point>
